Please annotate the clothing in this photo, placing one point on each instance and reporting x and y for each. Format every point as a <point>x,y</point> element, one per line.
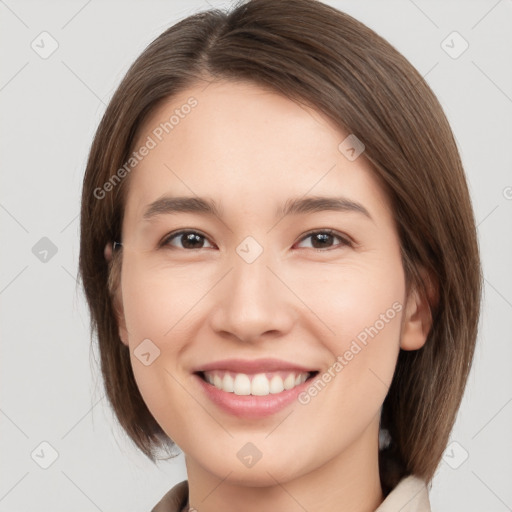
<point>410,495</point>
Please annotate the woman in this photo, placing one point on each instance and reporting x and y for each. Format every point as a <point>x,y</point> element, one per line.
<point>279,254</point>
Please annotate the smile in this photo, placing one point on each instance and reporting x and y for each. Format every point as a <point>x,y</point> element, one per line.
<point>260,384</point>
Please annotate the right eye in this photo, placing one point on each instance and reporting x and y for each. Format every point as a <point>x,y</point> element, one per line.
<point>188,239</point>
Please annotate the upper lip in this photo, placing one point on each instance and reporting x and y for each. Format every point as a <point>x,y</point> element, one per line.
<point>252,366</point>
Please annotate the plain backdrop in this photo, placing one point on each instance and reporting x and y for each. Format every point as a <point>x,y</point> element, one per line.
<point>53,411</point>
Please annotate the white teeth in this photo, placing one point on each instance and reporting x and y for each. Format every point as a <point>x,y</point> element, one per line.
<point>217,381</point>
<point>289,382</point>
<point>258,385</point>
<point>242,384</point>
<point>276,384</point>
<point>228,383</point>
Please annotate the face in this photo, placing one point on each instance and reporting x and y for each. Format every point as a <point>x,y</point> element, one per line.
<point>227,311</point>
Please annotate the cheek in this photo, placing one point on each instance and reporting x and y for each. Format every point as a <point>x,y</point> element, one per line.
<point>352,299</point>
<point>158,304</point>
<point>363,306</point>
<point>158,315</point>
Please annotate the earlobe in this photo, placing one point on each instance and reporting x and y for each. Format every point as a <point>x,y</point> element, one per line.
<point>123,334</point>
<point>417,320</point>
<point>117,301</point>
<point>108,251</point>
<point>121,322</point>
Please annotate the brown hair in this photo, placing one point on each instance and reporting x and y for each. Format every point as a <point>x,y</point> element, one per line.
<point>319,56</point>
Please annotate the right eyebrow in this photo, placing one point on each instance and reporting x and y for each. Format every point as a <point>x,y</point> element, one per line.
<point>169,205</point>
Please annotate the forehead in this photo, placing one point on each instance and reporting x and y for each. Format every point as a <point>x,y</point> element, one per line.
<point>245,146</point>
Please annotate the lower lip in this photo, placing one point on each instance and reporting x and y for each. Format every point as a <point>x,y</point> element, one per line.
<point>251,406</point>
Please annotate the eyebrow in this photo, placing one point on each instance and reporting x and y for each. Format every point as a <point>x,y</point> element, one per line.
<point>170,205</point>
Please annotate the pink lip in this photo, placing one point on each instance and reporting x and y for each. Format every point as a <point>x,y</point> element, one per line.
<point>251,366</point>
<point>250,406</point>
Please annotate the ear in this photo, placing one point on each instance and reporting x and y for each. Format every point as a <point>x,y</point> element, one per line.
<point>118,302</point>
<point>417,320</point>
<point>121,322</point>
<point>108,252</point>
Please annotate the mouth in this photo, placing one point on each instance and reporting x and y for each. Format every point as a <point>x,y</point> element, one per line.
<point>256,384</point>
<point>253,388</point>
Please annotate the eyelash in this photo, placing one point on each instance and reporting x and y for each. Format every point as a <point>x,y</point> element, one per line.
<point>345,241</point>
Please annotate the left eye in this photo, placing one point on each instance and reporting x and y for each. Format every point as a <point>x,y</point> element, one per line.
<point>321,239</point>
<point>194,240</point>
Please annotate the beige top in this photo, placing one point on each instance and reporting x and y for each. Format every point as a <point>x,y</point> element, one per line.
<point>410,495</point>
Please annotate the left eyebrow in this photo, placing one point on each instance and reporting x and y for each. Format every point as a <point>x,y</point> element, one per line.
<point>295,206</point>
<point>313,204</point>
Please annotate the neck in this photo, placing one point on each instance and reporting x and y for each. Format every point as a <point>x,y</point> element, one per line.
<point>348,482</point>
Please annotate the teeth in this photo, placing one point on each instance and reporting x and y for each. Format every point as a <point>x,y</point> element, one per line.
<point>276,384</point>
<point>289,382</point>
<point>228,383</point>
<point>260,384</point>
<point>242,385</point>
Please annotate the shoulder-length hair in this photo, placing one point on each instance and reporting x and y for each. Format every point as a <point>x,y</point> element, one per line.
<point>324,58</point>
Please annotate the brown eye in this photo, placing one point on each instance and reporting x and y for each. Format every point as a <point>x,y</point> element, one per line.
<point>324,239</point>
<point>187,239</point>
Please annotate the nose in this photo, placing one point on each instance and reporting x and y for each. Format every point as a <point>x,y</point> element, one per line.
<point>253,302</point>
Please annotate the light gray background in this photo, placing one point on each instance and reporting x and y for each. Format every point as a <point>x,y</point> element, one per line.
<point>50,108</point>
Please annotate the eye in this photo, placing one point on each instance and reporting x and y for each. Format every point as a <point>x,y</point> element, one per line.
<point>195,240</point>
<point>188,239</point>
<point>323,239</point>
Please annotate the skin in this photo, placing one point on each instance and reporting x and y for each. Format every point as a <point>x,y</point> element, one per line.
<point>250,150</point>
